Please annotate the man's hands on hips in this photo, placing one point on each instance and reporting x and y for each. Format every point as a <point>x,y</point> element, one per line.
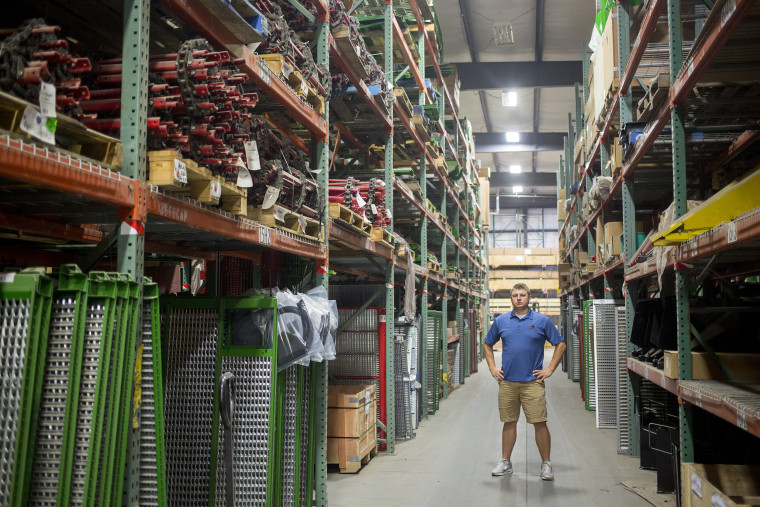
<point>543,374</point>
<point>497,374</point>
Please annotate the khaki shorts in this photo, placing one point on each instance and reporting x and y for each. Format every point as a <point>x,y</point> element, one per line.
<point>530,395</point>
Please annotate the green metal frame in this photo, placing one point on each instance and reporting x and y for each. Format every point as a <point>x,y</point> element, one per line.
<point>101,287</point>
<point>37,289</point>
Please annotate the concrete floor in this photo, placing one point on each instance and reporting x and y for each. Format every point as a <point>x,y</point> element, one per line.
<point>449,462</point>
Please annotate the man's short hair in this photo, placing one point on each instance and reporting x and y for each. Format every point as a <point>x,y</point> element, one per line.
<point>521,286</point>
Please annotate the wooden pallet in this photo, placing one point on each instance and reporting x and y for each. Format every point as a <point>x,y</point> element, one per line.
<point>403,99</point>
<point>70,135</point>
<point>382,235</point>
<point>352,467</point>
<point>281,218</point>
<point>295,80</point>
<point>421,128</point>
<point>434,266</point>
<point>658,92</point>
<point>234,199</point>
<point>349,219</point>
<point>341,34</point>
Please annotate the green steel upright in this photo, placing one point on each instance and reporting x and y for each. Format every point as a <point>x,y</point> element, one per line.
<point>629,230</point>
<point>389,274</point>
<point>423,239</point>
<point>319,371</point>
<point>131,241</point>
<point>679,199</point>
<point>444,308</point>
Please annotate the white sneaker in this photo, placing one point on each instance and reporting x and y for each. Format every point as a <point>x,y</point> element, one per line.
<point>502,467</point>
<point>546,471</point>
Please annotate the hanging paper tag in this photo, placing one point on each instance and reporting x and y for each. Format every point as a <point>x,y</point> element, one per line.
<point>279,214</point>
<point>216,189</point>
<point>7,277</point>
<point>265,234</point>
<point>373,208</point>
<point>388,214</point>
<point>717,500</point>
<point>302,223</point>
<point>252,156</point>
<point>244,179</point>
<point>270,197</point>
<point>361,202</point>
<point>287,69</point>
<point>47,99</point>
<point>180,171</point>
<point>33,123</point>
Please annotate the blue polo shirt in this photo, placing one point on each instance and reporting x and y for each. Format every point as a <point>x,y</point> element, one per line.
<point>522,343</point>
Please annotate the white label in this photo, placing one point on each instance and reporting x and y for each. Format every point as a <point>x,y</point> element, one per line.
<point>691,67</point>
<point>180,171</point>
<point>304,88</point>
<point>47,99</point>
<point>270,197</point>
<point>34,124</point>
<point>717,500</point>
<point>694,249</point>
<point>359,200</point>
<point>645,267</point>
<point>741,419</point>
<point>731,232</point>
<point>279,214</point>
<point>265,235</point>
<point>302,223</point>
<point>373,208</point>
<point>287,69</point>
<point>244,179</point>
<point>696,484</point>
<point>698,399</point>
<point>7,277</point>
<point>727,11</point>
<point>265,71</point>
<point>216,189</point>
<point>252,156</point>
<point>388,214</point>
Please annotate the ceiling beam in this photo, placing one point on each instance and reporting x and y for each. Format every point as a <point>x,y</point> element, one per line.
<point>496,142</point>
<point>527,180</point>
<point>511,202</point>
<point>539,51</point>
<point>501,75</point>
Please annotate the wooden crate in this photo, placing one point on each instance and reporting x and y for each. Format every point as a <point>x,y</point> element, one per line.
<point>729,485</point>
<point>403,99</point>
<point>351,453</point>
<point>382,235</point>
<point>166,170</point>
<point>80,140</point>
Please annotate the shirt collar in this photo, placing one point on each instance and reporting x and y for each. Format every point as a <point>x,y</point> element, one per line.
<point>529,315</point>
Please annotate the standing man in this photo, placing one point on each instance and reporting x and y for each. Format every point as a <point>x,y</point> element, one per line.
<point>522,374</point>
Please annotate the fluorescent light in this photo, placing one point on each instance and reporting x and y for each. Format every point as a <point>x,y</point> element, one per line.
<point>509,99</point>
<point>517,189</point>
<point>513,137</point>
<point>514,169</point>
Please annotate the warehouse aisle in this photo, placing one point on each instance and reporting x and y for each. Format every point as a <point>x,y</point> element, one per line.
<point>450,461</point>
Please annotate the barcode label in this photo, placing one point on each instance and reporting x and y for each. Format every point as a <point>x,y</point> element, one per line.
<point>265,235</point>
<point>180,171</point>
<point>7,277</point>
<point>216,189</point>
<point>731,232</point>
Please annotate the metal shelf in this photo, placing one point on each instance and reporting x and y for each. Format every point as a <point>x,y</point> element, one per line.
<point>195,15</point>
<point>337,56</point>
<point>736,402</point>
<point>654,375</point>
<point>601,272</point>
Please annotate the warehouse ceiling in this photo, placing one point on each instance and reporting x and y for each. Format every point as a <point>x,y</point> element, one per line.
<point>548,36</point>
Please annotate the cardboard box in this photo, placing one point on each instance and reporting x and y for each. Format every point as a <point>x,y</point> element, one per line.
<point>583,258</point>
<point>729,485</point>
<point>742,366</point>
<point>600,257</point>
<point>613,245</point>
<point>351,410</point>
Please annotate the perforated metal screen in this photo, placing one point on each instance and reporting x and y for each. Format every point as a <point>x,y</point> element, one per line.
<point>251,424</point>
<point>576,352</point>
<point>290,413</point>
<point>605,363</point>
<point>191,337</point>
<point>622,384</point>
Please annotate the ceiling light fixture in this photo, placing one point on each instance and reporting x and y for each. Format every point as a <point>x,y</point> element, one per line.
<point>509,99</point>
<point>517,189</point>
<point>515,169</point>
<point>513,137</point>
<point>503,34</point>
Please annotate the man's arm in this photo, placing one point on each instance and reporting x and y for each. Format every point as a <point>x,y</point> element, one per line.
<point>496,373</point>
<point>559,350</point>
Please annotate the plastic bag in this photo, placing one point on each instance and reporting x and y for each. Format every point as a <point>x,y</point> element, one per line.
<point>297,338</point>
<point>324,320</point>
<point>252,328</point>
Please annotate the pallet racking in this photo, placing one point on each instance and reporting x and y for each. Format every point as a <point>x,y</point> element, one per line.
<point>670,159</point>
<point>69,191</point>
